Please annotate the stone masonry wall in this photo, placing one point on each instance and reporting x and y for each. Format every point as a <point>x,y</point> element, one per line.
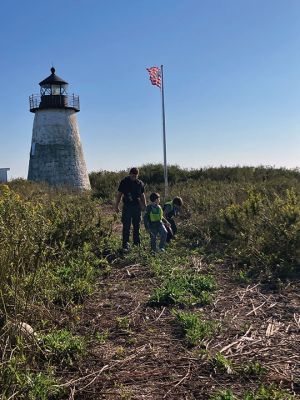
<point>56,154</point>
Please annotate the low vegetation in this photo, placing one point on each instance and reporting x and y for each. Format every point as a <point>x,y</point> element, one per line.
<point>184,288</point>
<point>78,317</point>
<point>194,328</point>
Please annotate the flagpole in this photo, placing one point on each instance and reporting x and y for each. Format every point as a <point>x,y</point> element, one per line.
<point>164,132</point>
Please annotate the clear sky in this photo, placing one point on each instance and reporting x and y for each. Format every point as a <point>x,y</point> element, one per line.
<point>231,69</point>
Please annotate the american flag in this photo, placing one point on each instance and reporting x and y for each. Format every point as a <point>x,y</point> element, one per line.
<point>155,77</point>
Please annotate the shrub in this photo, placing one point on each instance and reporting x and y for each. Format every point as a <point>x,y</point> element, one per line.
<point>105,184</point>
<point>23,234</point>
<point>17,380</point>
<point>195,330</point>
<point>223,395</point>
<point>184,288</point>
<point>53,245</point>
<point>41,386</point>
<point>222,364</point>
<point>62,347</point>
<point>262,233</point>
<point>268,393</point>
<point>63,238</point>
<point>253,369</point>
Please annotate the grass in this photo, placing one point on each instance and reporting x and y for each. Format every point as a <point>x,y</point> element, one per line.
<point>62,347</point>
<point>253,369</point>
<point>263,393</point>
<point>195,330</point>
<point>270,392</point>
<point>58,248</point>
<point>222,364</point>
<point>184,288</point>
<point>223,395</point>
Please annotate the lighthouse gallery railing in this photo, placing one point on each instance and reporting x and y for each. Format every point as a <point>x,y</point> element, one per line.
<point>37,102</point>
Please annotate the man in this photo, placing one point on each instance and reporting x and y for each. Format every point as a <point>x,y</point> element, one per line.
<point>131,189</point>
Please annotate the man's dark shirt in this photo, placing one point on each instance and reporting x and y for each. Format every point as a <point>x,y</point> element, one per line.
<point>132,190</point>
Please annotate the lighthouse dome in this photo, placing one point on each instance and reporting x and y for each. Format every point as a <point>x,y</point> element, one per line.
<point>53,79</point>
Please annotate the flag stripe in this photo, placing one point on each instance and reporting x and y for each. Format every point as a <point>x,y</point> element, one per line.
<point>155,76</point>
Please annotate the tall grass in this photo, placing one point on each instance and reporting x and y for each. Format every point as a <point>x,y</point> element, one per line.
<point>105,183</point>
<point>53,245</point>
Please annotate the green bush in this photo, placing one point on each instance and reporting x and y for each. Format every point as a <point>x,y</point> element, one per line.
<point>64,237</point>
<point>223,395</point>
<point>39,386</point>
<point>195,330</point>
<point>53,245</point>
<point>62,347</point>
<point>263,393</point>
<point>23,235</point>
<point>184,288</point>
<point>105,184</point>
<point>17,380</point>
<point>222,364</point>
<point>253,369</point>
<point>262,233</point>
<point>268,393</point>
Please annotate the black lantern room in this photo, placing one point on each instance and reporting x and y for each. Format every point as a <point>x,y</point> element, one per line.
<point>53,94</point>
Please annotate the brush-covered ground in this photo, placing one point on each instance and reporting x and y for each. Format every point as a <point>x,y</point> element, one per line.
<point>216,317</point>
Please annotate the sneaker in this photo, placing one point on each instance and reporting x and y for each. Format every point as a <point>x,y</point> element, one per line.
<point>126,248</point>
<point>162,250</point>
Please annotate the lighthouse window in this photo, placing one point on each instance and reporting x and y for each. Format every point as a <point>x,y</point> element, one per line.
<point>32,149</point>
<point>55,89</point>
<point>45,90</point>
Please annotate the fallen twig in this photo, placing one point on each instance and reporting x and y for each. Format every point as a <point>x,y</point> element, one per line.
<point>255,309</point>
<point>178,383</point>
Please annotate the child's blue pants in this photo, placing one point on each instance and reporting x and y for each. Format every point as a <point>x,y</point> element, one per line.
<point>157,229</point>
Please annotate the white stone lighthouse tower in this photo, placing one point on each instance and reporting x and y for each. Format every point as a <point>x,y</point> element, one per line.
<point>56,154</point>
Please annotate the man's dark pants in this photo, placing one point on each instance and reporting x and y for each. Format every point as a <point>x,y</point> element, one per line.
<point>131,215</point>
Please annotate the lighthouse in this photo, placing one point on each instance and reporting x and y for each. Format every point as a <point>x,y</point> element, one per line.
<point>56,154</point>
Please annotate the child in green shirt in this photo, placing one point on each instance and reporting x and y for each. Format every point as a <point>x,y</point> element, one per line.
<point>155,223</point>
<point>171,209</point>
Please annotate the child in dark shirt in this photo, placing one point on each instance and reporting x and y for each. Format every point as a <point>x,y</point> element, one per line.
<point>171,209</point>
<point>155,223</point>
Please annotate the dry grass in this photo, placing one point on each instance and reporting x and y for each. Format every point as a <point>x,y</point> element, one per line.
<point>146,357</point>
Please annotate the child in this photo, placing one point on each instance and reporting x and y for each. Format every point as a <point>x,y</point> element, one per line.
<point>171,209</point>
<point>154,222</point>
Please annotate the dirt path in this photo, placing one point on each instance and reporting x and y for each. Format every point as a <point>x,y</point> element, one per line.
<point>138,351</point>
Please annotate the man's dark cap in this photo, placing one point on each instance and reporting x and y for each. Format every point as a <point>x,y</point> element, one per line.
<point>134,171</point>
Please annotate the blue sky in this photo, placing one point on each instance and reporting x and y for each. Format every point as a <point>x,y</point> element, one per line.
<point>231,69</point>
